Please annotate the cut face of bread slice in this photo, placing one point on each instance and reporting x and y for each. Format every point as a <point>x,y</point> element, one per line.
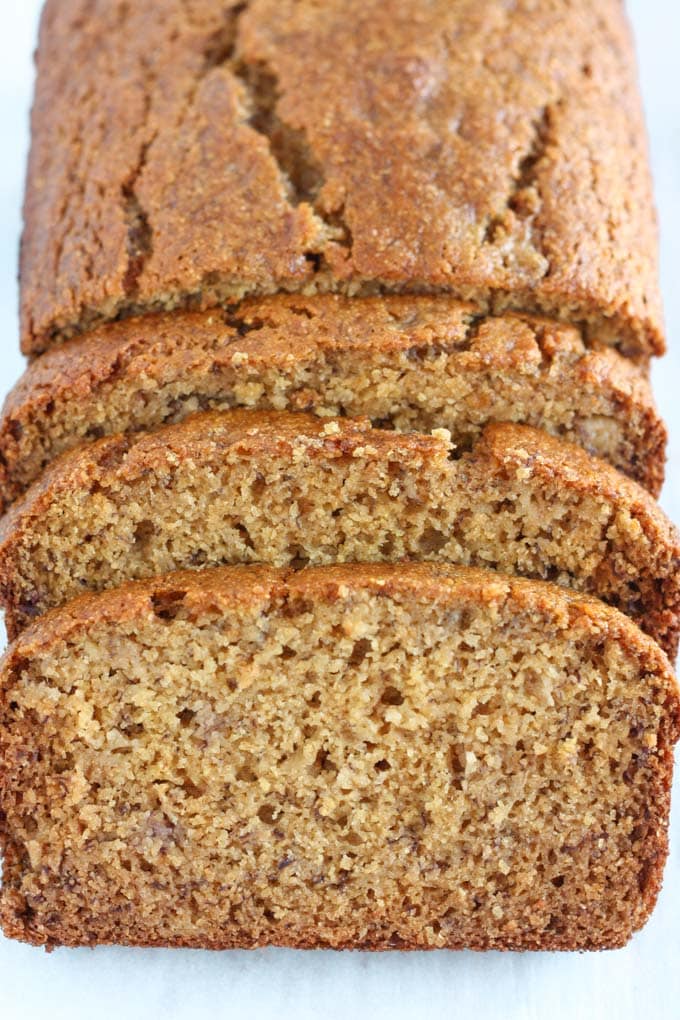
<point>393,160</point>
<point>408,363</point>
<point>277,488</point>
<point>355,756</point>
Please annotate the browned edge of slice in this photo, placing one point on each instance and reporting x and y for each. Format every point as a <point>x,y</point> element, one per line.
<point>410,363</point>
<point>629,553</point>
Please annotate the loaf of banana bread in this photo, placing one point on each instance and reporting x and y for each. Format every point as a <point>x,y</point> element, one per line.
<point>431,226</point>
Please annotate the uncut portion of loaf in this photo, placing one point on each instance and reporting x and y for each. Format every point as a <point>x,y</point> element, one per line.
<point>494,152</point>
<point>358,756</point>
<point>411,363</point>
<point>278,488</point>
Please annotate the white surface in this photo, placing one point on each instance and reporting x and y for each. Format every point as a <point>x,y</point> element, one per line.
<point>641,980</point>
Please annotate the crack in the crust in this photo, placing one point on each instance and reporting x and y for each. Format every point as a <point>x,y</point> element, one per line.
<point>524,199</point>
<point>139,229</point>
<point>218,51</point>
<point>526,176</point>
<point>342,232</point>
<point>236,319</point>
<point>222,43</point>
<point>473,324</point>
<point>241,325</point>
<point>301,174</point>
<point>301,312</point>
<point>472,327</point>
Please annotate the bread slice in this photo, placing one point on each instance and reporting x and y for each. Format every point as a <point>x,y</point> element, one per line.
<point>354,756</point>
<point>413,363</point>
<point>495,153</point>
<point>278,488</point>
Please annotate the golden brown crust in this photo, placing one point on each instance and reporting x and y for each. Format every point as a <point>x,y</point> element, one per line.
<point>197,595</point>
<point>491,158</point>
<point>548,486</point>
<point>222,588</point>
<point>383,163</point>
<point>415,362</point>
<point>524,446</point>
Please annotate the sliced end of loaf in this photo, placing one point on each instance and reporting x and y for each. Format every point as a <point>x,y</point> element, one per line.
<point>373,757</point>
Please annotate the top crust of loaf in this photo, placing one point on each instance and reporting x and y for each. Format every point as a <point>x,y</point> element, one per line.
<point>364,149</point>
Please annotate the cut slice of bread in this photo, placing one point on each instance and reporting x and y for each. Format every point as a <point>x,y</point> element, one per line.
<point>408,363</point>
<point>278,488</point>
<point>354,756</point>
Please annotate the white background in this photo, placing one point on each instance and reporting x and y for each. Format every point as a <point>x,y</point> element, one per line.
<point>642,980</point>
